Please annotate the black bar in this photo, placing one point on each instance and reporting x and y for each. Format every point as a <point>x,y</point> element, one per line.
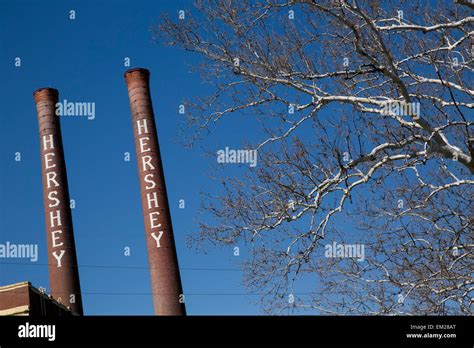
<point>288,330</point>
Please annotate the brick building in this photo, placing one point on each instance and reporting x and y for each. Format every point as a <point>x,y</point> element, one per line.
<point>23,299</point>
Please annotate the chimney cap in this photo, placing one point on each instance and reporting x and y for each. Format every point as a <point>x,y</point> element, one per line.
<point>140,70</point>
<point>49,89</point>
<point>45,93</point>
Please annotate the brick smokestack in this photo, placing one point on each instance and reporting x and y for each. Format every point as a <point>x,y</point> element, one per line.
<point>164,269</point>
<point>62,259</point>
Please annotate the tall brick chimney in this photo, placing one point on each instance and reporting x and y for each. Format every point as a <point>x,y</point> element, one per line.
<point>62,259</point>
<point>164,269</point>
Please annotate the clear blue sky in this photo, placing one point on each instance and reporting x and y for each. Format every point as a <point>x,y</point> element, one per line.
<point>84,60</point>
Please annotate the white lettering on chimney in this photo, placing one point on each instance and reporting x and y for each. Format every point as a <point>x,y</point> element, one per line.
<point>54,238</point>
<point>143,126</point>
<point>152,219</point>
<point>48,141</point>
<point>55,215</point>
<point>51,177</point>
<point>47,160</point>
<point>157,238</point>
<point>148,180</point>
<point>59,257</point>
<point>152,198</point>
<point>142,144</point>
<point>146,160</point>
<point>51,197</point>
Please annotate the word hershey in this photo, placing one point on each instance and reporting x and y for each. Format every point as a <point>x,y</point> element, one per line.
<point>52,192</point>
<point>150,184</point>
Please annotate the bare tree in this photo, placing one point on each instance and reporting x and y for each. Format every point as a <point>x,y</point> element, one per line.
<point>366,109</point>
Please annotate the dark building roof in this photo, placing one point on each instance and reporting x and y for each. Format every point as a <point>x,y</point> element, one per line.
<point>24,299</point>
